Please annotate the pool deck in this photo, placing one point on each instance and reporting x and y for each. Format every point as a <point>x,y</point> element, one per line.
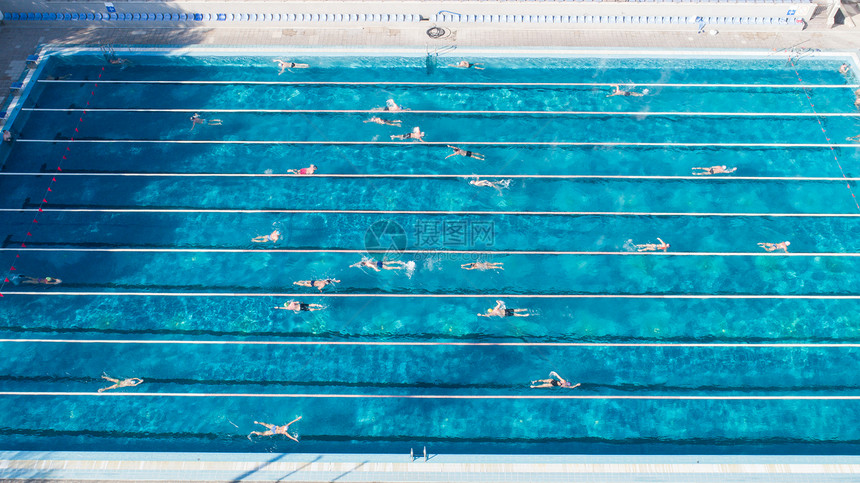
<point>20,40</point>
<point>399,468</point>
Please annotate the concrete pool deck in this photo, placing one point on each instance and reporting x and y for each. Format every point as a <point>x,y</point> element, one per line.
<point>398,468</point>
<point>20,39</point>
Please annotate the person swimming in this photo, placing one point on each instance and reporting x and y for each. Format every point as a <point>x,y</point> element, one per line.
<point>500,310</point>
<point>320,284</point>
<point>415,135</point>
<point>463,152</point>
<point>284,65</point>
<point>483,266</point>
<point>554,381</point>
<point>271,237</point>
<point>772,247</point>
<point>196,119</point>
<point>498,185</point>
<point>379,120</point>
<point>19,279</point>
<point>309,170</point>
<point>274,429</point>
<point>299,306</point>
<point>713,170</point>
<point>379,265</point>
<point>619,92</point>
<point>117,383</point>
<point>652,247</point>
<point>390,106</point>
<point>466,65</point>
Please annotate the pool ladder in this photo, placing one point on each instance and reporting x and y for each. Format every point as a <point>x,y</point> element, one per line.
<point>412,454</point>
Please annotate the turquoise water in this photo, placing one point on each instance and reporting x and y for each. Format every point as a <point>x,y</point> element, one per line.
<point>355,370</point>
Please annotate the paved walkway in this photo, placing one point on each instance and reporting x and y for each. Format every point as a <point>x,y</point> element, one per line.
<point>22,39</point>
<point>400,468</point>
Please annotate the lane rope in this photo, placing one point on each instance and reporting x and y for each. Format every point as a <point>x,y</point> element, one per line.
<point>432,252</point>
<point>446,84</point>
<point>442,176</point>
<point>467,112</point>
<point>775,345</point>
<point>441,295</point>
<point>431,212</point>
<point>435,396</point>
<point>446,143</point>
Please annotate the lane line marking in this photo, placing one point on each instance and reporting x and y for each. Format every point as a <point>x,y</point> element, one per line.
<point>777,345</point>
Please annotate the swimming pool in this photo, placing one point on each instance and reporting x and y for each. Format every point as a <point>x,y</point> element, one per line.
<point>715,346</point>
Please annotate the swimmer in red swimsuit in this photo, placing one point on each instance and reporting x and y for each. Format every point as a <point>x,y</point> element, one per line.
<point>309,170</point>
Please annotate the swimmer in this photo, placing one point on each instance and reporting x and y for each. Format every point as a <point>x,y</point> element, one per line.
<point>772,247</point>
<point>320,284</point>
<point>196,119</point>
<point>7,136</point>
<point>309,170</point>
<point>554,381</point>
<point>390,106</point>
<point>653,247</point>
<point>844,69</point>
<point>379,265</point>
<point>619,92</point>
<point>289,65</point>
<point>110,55</point>
<point>130,382</point>
<point>466,65</point>
<point>463,152</point>
<point>271,237</point>
<point>416,134</point>
<point>498,185</point>
<point>713,170</point>
<point>39,281</point>
<point>483,266</point>
<point>62,77</point>
<point>379,120</point>
<point>856,138</point>
<point>501,311</point>
<point>299,307</point>
<point>273,430</point>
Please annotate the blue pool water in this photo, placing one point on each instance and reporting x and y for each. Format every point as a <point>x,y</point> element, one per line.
<point>715,347</point>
